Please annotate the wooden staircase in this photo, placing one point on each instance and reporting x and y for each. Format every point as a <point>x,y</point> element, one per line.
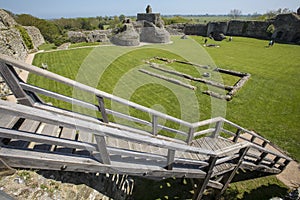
<point>36,135</point>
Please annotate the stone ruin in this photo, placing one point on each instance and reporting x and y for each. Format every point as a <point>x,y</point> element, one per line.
<point>89,36</point>
<point>148,28</point>
<point>126,36</point>
<point>12,44</point>
<point>287,28</point>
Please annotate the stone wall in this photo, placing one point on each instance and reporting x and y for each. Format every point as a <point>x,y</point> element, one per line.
<point>256,29</point>
<point>88,36</point>
<point>6,21</point>
<point>35,35</point>
<point>11,44</point>
<point>195,29</point>
<point>287,28</point>
<point>217,27</point>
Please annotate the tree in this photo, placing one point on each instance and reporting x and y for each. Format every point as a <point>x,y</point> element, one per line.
<point>122,18</point>
<point>235,13</point>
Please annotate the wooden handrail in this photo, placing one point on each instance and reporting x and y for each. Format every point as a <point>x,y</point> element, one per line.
<point>95,128</point>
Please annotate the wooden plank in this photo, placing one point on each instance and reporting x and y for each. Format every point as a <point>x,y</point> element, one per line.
<point>39,138</point>
<point>86,137</point>
<point>50,130</point>
<point>7,121</point>
<point>69,134</point>
<point>28,126</point>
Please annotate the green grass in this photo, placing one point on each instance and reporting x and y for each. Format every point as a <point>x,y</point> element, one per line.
<point>268,103</point>
<point>47,46</point>
<point>84,44</point>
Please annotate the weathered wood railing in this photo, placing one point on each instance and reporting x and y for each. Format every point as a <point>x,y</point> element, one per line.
<point>270,156</point>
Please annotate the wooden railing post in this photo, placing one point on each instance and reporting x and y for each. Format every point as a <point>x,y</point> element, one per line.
<point>102,109</point>
<point>212,161</point>
<point>274,162</point>
<point>101,147</point>
<point>262,157</point>
<point>12,80</point>
<point>154,124</point>
<point>190,135</point>
<point>170,159</point>
<point>237,135</point>
<point>218,129</point>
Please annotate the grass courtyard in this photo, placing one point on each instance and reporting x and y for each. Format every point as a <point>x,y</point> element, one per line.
<point>267,104</point>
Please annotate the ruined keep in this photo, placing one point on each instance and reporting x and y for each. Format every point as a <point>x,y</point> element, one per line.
<point>148,28</point>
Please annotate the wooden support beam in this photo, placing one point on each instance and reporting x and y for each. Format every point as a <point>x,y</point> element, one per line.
<point>237,135</point>
<point>102,148</point>
<point>12,80</point>
<point>229,178</point>
<point>170,159</point>
<point>102,109</point>
<point>212,161</point>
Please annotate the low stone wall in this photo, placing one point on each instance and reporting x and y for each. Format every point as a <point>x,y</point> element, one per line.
<point>88,36</point>
<point>287,28</point>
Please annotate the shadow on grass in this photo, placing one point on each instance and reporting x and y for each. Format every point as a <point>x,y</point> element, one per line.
<point>262,193</point>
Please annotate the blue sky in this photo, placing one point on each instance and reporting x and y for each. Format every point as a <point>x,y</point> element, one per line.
<point>81,8</point>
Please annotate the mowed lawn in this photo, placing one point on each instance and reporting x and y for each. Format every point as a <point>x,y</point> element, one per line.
<point>267,104</point>
<point>270,102</point>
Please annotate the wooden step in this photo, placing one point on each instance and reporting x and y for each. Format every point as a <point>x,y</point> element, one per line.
<point>46,129</point>
<point>27,126</point>
<point>66,133</point>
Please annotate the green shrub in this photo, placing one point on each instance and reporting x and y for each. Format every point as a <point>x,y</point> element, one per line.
<point>26,38</point>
